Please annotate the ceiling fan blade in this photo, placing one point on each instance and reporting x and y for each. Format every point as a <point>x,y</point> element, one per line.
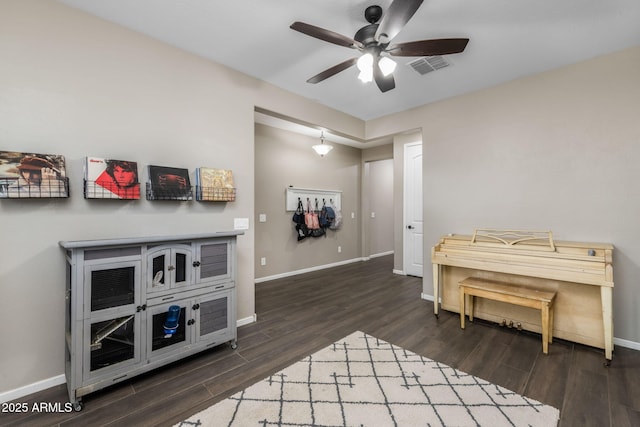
<point>384,83</point>
<point>326,35</point>
<point>332,71</point>
<point>428,47</point>
<point>395,18</point>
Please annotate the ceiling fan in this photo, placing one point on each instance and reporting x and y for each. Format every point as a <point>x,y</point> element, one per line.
<point>374,40</point>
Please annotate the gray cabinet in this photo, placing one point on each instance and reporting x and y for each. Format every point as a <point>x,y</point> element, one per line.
<point>139,303</point>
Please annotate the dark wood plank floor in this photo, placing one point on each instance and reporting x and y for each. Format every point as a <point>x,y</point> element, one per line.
<point>300,315</point>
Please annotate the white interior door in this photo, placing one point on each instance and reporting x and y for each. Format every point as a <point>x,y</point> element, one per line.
<point>413,233</point>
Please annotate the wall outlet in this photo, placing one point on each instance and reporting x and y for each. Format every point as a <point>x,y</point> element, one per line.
<point>263,261</point>
<point>339,249</point>
<point>373,214</point>
<point>353,215</point>
<point>263,217</point>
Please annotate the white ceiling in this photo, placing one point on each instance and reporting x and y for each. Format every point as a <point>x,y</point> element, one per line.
<point>508,39</point>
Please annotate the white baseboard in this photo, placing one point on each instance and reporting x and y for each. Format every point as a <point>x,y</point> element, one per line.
<point>626,343</point>
<point>307,270</point>
<point>381,254</point>
<point>247,320</point>
<point>400,272</point>
<point>426,297</point>
<point>28,389</point>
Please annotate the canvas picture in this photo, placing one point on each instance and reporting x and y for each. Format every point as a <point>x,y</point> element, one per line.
<point>111,179</point>
<point>168,183</point>
<point>215,184</point>
<point>29,175</point>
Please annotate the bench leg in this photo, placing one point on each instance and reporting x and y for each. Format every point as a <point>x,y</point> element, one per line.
<point>550,324</point>
<point>470,301</point>
<point>545,328</point>
<point>462,300</point>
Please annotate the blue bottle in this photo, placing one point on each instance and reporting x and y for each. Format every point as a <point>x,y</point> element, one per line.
<point>171,322</point>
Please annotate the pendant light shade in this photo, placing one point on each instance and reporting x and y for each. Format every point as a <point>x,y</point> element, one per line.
<point>322,148</point>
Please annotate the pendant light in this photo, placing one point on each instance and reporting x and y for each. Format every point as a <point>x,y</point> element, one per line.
<point>322,148</point>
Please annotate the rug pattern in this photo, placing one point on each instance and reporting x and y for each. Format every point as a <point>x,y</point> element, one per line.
<point>364,381</point>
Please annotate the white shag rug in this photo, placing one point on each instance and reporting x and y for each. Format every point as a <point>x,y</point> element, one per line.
<point>364,381</point>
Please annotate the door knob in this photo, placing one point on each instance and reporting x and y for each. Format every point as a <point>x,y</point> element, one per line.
<point>410,227</point>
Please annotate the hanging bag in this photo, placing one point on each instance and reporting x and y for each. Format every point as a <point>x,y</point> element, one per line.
<point>321,230</point>
<point>327,215</point>
<point>298,215</point>
<point>311,218</point>
<point>337,218</point>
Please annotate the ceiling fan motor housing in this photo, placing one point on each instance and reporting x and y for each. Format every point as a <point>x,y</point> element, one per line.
<point>372,14</point>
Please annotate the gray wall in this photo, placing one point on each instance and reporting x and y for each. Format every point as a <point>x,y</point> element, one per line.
<point>558,150</point>
<point>555,151</point>
<point>74,85</point>
<point>286,159</point>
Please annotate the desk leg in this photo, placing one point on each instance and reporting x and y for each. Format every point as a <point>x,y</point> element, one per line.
<point>606,295</point>
<point>436,288</point>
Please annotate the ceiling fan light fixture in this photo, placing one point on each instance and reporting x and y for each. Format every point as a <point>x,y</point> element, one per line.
<point>365,65</point>
<point>365,62</point>
<point>366,76</point>
<point>387,65</point>
<point>322,149</point>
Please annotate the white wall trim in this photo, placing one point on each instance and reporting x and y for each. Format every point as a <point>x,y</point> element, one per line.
<point>381,254</point>
<point>28,389</point>
<point>247,320</point>
<point>400,272</point>
<point>426,297</point>
<point>626,343</point>
<point>307,270</point>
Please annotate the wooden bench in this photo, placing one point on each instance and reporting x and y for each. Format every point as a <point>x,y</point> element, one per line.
<point>513,294</point>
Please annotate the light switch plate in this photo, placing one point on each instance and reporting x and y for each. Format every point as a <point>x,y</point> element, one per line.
<point>240,223</point>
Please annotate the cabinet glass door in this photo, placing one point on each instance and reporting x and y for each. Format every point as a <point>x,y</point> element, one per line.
<point>168,327</point>
<point>112,286</point>
<point>168,268</point>
<point>111,344</point>
<point>112,341</point>
<point>181,267</point>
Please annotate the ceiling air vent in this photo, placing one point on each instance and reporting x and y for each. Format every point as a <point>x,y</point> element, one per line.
<point>428,64</point>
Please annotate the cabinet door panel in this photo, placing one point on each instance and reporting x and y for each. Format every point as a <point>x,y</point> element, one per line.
<point>214,261</point>
<point>161,340</point>
<point>180,267</point>
<point>111,287</point>
<point>111,345</point>
<point>212,315</point>
<point>157,270</point>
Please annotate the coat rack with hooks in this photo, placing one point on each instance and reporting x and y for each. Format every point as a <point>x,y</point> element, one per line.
<point>292,194</point>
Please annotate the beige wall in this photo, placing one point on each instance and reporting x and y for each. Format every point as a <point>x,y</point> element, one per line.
<point>74,85</point>
<point>556,151</point>
<point>286,159</point>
